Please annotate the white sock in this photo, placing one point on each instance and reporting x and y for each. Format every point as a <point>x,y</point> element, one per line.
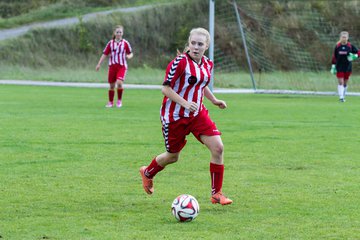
<point>345,88</point>
<point>341,91</point>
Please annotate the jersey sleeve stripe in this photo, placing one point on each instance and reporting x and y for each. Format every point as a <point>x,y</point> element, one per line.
<point>173,68</point>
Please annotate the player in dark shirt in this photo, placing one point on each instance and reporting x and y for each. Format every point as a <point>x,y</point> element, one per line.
<point>344,54</point>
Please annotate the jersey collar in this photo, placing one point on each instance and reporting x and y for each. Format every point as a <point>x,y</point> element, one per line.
<point>201,60</point>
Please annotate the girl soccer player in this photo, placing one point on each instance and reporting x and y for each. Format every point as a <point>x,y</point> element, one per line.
<point>119,50</point>
<point>344,54</point>
<point>183,112</point>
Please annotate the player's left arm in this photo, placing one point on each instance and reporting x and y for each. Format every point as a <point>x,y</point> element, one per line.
<point>354,54</point>
<point>355,50</point>
<point>129,56</point>
<point>209,95</point>
<point>129,53</point>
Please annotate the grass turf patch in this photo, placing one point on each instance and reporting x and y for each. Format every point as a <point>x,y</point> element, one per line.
<point>69,167</point>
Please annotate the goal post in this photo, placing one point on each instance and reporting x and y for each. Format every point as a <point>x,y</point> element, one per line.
<point>212,33</point>
<point>281,45</point>
<point>244,44</point>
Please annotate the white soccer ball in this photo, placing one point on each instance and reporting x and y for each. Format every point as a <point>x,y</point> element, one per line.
<point>185,208</point>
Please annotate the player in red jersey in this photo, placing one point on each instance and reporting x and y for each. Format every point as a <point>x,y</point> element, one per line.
<point>344,54</point>
<point>118,50</point>
<point>183,112</point>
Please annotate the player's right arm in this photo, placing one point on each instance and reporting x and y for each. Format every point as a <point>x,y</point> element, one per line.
<point>106,52</point>
<point>334,56</point>
<point>102,58</point>
<point>333,61</point>
<point>174,71</point>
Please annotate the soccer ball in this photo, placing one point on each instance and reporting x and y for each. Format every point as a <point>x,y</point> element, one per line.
<point>185,208</point>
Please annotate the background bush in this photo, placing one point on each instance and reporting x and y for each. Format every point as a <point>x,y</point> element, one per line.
<point>156,33</point>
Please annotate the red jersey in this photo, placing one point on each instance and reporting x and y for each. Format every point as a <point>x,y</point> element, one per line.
<point>188,79</point>
<point>118,51</point>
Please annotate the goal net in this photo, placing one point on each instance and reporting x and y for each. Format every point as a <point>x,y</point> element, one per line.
<point>289,43</point>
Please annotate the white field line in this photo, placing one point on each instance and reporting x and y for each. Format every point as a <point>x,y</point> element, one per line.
<point>74,84</point>
<point>141,86</point>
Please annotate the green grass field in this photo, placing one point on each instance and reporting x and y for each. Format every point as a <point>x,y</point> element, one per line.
<point>69,168</point>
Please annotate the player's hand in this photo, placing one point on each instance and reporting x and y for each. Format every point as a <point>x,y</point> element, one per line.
<point>352,57</point>
<point>333,69</point>
<point>220,103</point>
<point>97,67</point>
<point>129,56</point>
<point>191,106</point>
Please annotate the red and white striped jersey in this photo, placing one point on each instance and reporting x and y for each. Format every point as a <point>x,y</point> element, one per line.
<point>188,79</point>
<point>117,51</point>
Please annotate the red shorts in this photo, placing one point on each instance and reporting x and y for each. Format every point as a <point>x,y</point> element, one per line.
<point>175,132</point>
<point>116,72</point>
<point>344,75</point>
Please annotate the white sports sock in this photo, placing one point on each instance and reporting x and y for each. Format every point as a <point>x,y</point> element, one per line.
<point>345,88</point>
<point>341,91</point>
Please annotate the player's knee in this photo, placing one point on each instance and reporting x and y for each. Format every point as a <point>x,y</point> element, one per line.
<point>119,83</point>
<point>170,158</point>
<point>173,158</point>
<point>218,149</point>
